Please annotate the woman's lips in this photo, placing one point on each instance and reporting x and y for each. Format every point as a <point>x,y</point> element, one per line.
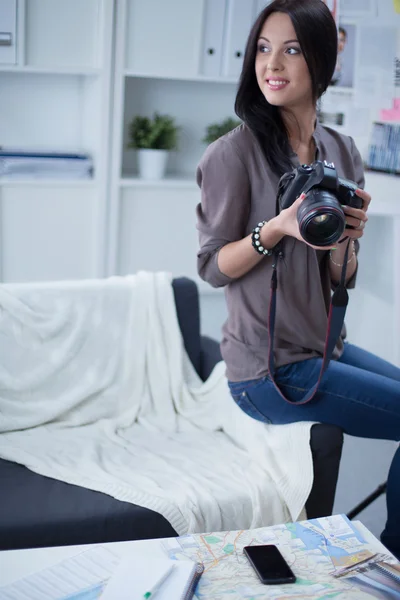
<point>277,84</point>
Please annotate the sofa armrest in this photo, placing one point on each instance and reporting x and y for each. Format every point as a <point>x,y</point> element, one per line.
<point>188,312</point>
<point>209,357</point>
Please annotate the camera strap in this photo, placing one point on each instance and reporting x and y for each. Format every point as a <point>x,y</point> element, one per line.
<point>337,311</point>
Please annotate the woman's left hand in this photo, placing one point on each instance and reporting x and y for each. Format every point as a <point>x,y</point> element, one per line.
<point>356,217</point>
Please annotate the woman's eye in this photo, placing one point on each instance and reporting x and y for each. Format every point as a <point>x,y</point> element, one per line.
<point>293,50</point>
<point>262,48</point>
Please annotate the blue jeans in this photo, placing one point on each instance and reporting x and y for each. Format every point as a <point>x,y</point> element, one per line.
<point>360,393</point>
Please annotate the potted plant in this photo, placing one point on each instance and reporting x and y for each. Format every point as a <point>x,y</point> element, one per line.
<point>216,130</point>
<point>153,138</point>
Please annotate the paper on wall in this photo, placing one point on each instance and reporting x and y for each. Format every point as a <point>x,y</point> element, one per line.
<point>391,114</point>
<point>358,8</point>
<point>374,80</point>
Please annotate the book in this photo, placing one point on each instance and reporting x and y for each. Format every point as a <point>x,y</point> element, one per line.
<point>381,579</point>
<point>393,570</point>
<point>18,164</point>
<point>136,579</point>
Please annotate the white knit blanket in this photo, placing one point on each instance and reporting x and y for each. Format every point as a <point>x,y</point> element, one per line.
<point>96,390</point>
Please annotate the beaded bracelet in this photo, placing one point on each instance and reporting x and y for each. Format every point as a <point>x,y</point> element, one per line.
<point>256,241</point>
<point>341,264</point>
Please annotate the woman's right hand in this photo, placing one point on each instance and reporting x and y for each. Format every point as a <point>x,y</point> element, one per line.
<point>288,224</point>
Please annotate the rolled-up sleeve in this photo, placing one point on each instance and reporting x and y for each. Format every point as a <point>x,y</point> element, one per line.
<point>359,179</point>
<point>223,212</point>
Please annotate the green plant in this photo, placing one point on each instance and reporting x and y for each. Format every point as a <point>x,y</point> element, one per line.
<point>157,133</point>
<point>216,130</point>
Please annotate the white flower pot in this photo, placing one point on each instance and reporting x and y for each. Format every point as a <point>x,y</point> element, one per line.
<point>152,163</point>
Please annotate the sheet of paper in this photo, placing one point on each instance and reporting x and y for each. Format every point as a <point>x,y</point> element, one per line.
<point>339,112</point>
<point>391,114</point>
<point>136,576</point>
<point>358,8</point>
<point>389,11</point>
<point>358,121</point>
<point>374,77</point>
<point>81,577</point>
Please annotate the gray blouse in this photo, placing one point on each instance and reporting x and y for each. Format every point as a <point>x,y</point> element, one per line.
<point>238,189</point>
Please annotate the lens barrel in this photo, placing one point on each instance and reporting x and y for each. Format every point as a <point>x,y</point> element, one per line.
<point>321,218</point>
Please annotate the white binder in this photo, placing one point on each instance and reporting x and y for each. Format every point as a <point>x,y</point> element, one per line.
<point>8,31</point>
<point>213,33</point>
<point>240,16</point>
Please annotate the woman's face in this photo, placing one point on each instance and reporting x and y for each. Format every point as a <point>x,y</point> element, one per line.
<point>341,41</point>
<point>281,70</point>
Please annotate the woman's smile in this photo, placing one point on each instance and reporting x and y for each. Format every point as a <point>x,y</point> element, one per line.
<point>276,84</point>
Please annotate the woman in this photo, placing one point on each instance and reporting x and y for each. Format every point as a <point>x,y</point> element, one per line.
<point>288,64</point>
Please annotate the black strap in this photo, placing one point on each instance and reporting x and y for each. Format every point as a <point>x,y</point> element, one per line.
<point>337,311</point>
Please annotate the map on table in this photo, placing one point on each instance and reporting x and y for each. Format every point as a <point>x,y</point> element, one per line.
<point>314,549</point>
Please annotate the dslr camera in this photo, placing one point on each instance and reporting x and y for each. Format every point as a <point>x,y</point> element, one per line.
<point>321,218</point>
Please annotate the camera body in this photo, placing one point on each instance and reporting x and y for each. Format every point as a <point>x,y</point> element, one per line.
<point>321,218</point>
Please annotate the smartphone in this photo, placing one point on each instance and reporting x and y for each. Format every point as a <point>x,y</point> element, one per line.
<point>269,564</point>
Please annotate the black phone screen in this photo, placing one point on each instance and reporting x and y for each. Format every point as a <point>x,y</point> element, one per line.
<point>269,564</point>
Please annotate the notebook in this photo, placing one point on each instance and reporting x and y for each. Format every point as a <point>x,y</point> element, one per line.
<point>134,577</point>
<point>381,576</point>
<point>391,570</point>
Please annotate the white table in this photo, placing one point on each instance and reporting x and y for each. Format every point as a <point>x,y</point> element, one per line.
<point>15,564</point>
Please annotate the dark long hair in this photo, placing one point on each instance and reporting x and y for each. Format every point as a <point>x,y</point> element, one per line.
<point>317,34</point>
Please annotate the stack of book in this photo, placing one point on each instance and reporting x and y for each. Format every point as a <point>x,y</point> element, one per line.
<point>384,148</point>
<point>21,164</point>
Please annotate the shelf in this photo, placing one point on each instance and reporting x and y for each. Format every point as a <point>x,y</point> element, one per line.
<point>50,70</point>
<point>384,207</point>
<point>193,78</point>
<point>384,189</point>
<point>385,192</point>
<point>11,181</point>
<point>170,181</point>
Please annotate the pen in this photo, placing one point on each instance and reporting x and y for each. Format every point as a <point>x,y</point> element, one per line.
<point>347,570</point>
<point>159,583</point>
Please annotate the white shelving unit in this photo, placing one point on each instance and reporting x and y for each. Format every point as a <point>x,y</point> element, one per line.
<point>57,96</point>
<point>175,70</point>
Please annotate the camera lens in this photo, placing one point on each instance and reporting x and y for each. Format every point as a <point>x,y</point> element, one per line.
<point>321,218</point>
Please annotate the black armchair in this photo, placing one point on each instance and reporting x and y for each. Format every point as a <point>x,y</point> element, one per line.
<point>37,511</point>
